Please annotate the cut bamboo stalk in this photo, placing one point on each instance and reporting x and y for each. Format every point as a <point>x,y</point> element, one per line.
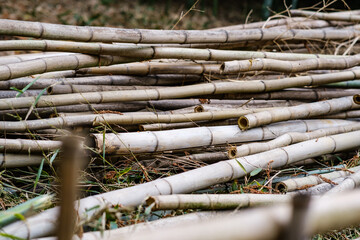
<point>41,225</point>
<point>30,56</point>
<point>319,189</point>
<point>121,80</point>
<point>156,141</point>
<point>213,201</point>
<point>299,95</point>
<point>25,145</point>
<point>343,115</point>
<point>326,16</point>
<point>146,68</point>
<point>350,182</point>
<point>208,157</point>
<point>13,93</point>
<point>297,183</point>
<point>287,139</point>
<point>56,63</point>
<point>102,34</point>
<point>150,52</point>
<point>306,110</point>
<point>347,84</point>
<point>8,160</point>
<point>289,66</point>
<point>179,92</point>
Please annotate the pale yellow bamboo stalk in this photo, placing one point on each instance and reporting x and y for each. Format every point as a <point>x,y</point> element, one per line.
<point>157,141</point>
<point>287,139</point>
<point>350,182</point>
<point>26,145</point>
<point>213,201</point>
<point>179,92</point>
<point>296,183</point>
<point>101,34</point>
<point>297,112</point>
<point>18,58</point>
<point>150,52</point>
<point>56,63</point>
<point>41,225</point>
<point>290,66</point>
<point>9,160</point>
<point>326,16</point>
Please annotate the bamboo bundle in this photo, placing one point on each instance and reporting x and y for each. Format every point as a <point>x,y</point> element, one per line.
<point>192,180</point>
<point>287,139</point>
<point>297,112</point>
<point>297,183</point>
<point>101,34</point>
<point>350,182</point>
<point>179,92</point>
<point>8,160</point>
<point>259,64</point>
<point>213,201</point>
<point>326,16</point>
<point>56,63</point>
<point>24,145</point>
<point>140,142</point>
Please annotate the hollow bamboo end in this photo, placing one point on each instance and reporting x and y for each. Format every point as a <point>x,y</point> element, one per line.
<point>49,90</point>
<point>151,202</point>
<point>222,68</point>
<point>199,108</point>
<point>243,123</point>
<point>232,151</point>
<point>281,187</point>
<point>357,98</point>
<point>141,128</point>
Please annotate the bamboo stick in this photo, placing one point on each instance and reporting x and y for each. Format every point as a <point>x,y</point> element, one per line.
<point>8,160</point>
<point>25,145</point>
<point>167,126</point>
<point>297,112</point>
<point>289,66</point>
<point>101,34</point>
<point>29,56</point>
<point>319,189</point>
<point>41,225</point>
<point>296,183</point>
<point>150,52</point>
<point>56,63</point>
<point>350,182</point>
<point>140,142</point>
<point>288,139</point>
<point>179,92</point>
<point>347,84</point>
<point>326,16</point>
<point>13,93</point>
<point>213,201</point>
<point>343,115</point>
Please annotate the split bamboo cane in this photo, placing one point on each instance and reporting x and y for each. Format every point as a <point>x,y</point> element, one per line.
<point>213,201</point>
<point>350,182</point>
<point>297,112</point>
<point>157,141</point>
<point>102,34</point>
<point>326,16</point>
<point>41,225</point>
<point>288,139</point>
<point>179,92</point>
<point>297,183</point>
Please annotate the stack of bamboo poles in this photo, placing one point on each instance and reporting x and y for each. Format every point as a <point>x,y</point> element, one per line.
<point>220,105</point>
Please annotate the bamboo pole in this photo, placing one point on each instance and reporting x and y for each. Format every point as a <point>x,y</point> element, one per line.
<point>319,189</point>
<point>102,34</point>
<point>41,225</point>
<point>19,58</point>
<point>8,160</point>
<point>326,16</point>
<point>25,145</point>
<point>13,93</point>
<point>179,92</point>
<point>157,141</point>
<point>350,182</point>
<point>297,112</point>
<point>213,201</point>
<point>150,52</point>
<point>343,115</point>
<point>56,63</point>
<point>290,66</point>
<point>297,183</point>
<point>288,139</point>
<point>347,84</point>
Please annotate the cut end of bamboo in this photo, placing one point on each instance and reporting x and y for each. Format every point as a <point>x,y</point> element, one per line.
<point>357,98</point>
<point>222,68</point>
<point>243,123</point>
<point>49,90</point>
<point>281,187</point>
<point>141,128</point>
<point>232,151</point>
<point>199,108</point>
<point>151,202</point>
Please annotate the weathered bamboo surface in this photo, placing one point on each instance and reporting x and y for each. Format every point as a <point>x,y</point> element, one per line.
<point>326,16</point>
<point>10,160</point>
<point>350,182</point>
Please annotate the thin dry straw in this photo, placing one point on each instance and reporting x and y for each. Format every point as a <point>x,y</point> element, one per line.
<point>301,111</point>
<point>42,224</point>
<point>149,52</point>
<point>326,16</point>
<point>289,66</point>
<point>102,34</point>
<point>157,141</point>
<point>178,92</point>
<point>56,63</point>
